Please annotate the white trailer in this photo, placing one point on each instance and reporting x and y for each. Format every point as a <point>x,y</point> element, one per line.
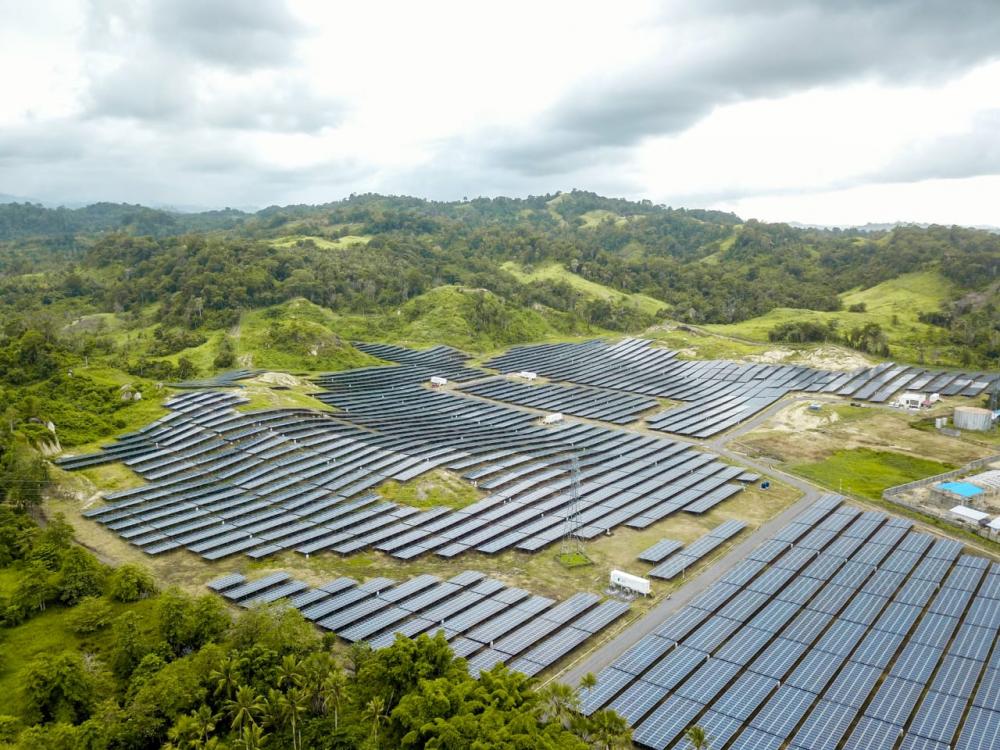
<point>629,582</point>
<point>527,375</point>
<point>437,380</point>
<point>552,418</point>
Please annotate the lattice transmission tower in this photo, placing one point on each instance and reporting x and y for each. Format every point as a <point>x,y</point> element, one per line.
<point>572,542</point>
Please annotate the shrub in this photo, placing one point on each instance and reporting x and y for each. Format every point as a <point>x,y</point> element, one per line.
<point>90,615</point>
<point>130,583</point>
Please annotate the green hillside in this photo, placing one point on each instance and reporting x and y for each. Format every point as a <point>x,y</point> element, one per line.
<point>593,290</point>
<point>894,305</point>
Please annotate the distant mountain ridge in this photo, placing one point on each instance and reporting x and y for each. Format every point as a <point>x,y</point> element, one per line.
<point>887,226</point>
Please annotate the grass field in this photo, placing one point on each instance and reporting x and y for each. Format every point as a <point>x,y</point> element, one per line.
<point>295,336</point>
<point>555,272</point>
<point>594,218</point>
<point>50,632</point>
<point>435,488</point>
<point>866,472</point>
<point>694,344</point>
<point>323,243</point>
<point>894,305</point>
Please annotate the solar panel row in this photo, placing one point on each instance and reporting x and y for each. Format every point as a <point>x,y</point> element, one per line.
<point>719,394</point>
<point>486,621</point>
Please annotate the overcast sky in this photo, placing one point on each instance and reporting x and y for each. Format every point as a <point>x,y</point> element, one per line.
<point>822,111</point>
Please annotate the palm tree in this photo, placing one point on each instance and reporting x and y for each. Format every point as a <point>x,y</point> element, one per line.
<point>696,737</point>
<point>227,676</point>
<point>560,703</point>
<point>588,681</point>
<point>296,703</point>
<point>206,721</point>
<point>273,713</point>
<point>608,730</point>
<point>290,672</point>
<point>183,734</point>
<point>375,713</point>
<point>332,692</point>
<point>252,737</point>
<point>245,708</point>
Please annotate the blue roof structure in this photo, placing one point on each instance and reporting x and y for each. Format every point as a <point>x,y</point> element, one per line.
<point>964,489</point>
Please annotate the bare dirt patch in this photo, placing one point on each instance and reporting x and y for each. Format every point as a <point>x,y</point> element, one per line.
<point>797,435</point>
<point>825,357</point>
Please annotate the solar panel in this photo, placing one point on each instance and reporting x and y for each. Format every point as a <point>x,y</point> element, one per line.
<point>637,700</point>
<point>824,726</point>
<point>610,681</point>
<point>938,717</point>
<point>981,730</point>
<point>872,734</point>
<point>667,722</point>
<point>783,711</point>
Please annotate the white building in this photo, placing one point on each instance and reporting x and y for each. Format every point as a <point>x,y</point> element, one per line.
<point>969,515</point>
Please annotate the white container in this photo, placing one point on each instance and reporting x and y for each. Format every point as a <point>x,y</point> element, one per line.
<point>628,581</point>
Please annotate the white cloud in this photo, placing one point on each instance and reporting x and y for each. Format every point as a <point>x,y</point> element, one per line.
<point>825,112</point>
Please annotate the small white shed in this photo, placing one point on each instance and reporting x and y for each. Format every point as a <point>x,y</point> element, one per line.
<point>527,375</point>
<point>437,380</point>
<point>969,515</point>
<point>552,418</point>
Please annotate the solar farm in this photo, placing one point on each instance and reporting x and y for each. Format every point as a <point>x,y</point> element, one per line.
<point>484,620</point>
<point>222,482</point>
<point>720,394</point>
<point>847,630</point>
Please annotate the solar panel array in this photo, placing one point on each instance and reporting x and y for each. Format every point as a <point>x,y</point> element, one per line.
<point>720,394</point>
<point>846,630</point>
<point>581,401</point>
<point>677,564</point>
<point>222,482</point>
<point>660,551</point>
<point>484,620</point>
<point>228,379</point>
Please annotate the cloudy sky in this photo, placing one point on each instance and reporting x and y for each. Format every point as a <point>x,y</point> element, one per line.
<point>820,111</point>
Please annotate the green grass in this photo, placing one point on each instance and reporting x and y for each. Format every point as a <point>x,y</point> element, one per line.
<point>573,560</point>
<point>867,472</point>
<point>435,488</point>
<point>894,305</point>
<point>50,632</point>
<point>262,397</point>
<point>594,218</point>
<point>324,243</point>
<point>695,344</point>
<point>556,272</point>
<point>296,335</point>
<point>8,581</point>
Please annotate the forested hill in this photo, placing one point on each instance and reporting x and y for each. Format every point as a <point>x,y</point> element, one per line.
<point>480,273</point>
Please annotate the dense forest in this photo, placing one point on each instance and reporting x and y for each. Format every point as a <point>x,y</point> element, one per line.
<point>706,267</point>
<point>131,667</point>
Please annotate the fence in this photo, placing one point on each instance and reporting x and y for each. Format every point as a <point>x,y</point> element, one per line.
<point>891,492</point>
